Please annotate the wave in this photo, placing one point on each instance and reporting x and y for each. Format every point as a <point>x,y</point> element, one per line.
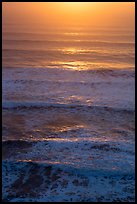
<point>41,105</point>
<point>129,71</point>
<point>17,143</point>
<point>77,42</point>
<point>72,32</point>
<point>38,82</point>
<point>83,55</point>
<point>13,144</point>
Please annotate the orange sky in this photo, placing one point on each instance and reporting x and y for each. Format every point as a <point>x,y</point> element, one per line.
<point>69,13</point>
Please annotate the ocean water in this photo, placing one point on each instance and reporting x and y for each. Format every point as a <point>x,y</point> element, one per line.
<point>68,102</point>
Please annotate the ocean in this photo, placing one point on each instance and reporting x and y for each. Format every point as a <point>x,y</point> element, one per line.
<point>68,103</point>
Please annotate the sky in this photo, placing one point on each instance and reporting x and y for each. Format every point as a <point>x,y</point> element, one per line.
<point>57,14</point>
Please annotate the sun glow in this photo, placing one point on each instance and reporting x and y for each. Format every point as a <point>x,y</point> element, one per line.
<point>51,14</point>
<point>76,6</point>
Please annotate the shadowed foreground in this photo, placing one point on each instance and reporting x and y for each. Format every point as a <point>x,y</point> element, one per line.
<point>28,181</point>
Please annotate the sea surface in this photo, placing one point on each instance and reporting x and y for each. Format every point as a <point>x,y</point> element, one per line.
<point>68,102</point>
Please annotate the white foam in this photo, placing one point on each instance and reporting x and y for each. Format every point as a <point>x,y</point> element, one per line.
<point>38,87</point>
